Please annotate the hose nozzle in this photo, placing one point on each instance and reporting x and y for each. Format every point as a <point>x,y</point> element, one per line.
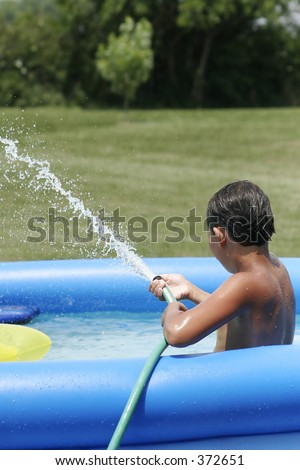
<point>169,297</point>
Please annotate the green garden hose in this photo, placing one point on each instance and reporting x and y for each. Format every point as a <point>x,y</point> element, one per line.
<point>140,383</point>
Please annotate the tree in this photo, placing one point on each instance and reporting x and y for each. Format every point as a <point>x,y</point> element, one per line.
<point>212,17</point>
<point>32,58</point>
<point>82,27</point>
<point>127,60</point>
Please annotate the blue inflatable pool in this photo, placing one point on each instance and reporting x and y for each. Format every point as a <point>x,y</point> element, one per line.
<point>246,399</point>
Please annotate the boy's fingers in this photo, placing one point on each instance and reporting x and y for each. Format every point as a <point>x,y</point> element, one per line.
<point>159,288</point>
<point>156,287</point>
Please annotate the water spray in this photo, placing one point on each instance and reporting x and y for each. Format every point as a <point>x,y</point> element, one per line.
<point>43,178</point>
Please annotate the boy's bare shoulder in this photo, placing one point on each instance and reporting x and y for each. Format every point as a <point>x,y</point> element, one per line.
<point>239,288</point>
<point>261,281</point>
<point>248,285</point>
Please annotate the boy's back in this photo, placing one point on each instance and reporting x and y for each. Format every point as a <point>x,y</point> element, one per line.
<point>268,306</point>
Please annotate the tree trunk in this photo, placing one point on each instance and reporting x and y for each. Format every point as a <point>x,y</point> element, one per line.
<point>199,79</point>
<point>126,102</point>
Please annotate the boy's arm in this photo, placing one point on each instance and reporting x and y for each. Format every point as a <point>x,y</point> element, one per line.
<point>183,327</point>
<point>197,295</point>
<point>180,287</point>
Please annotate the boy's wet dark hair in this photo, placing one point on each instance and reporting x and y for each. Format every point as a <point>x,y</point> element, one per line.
<point>244,210</point>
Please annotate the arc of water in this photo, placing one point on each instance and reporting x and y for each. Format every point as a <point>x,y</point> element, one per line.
<point>46,178</point>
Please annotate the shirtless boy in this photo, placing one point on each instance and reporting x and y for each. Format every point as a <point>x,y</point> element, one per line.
<point>253,307</point>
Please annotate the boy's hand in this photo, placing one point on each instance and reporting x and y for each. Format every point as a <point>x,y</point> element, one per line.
<point>172,311</point>
<point>178,285</point>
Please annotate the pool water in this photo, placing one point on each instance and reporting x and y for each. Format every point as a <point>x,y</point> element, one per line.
<point>104,335</point>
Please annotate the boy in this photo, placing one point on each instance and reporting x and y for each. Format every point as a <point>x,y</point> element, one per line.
<point>256,305</point>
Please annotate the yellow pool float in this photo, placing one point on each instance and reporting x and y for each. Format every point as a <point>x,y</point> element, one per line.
<point>21,343</point>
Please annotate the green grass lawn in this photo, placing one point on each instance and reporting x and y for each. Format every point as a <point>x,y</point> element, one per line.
<point>151,164</point>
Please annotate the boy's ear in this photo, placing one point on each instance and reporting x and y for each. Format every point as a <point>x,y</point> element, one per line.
<point>220,233</point>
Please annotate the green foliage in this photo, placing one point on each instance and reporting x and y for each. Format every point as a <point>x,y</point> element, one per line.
<point>206,14</point>
<point>127,59</point>
<point>215,17</point>
<point>32,61</point>
<point>207,52</point>
<point>110,9</point>
<point>258,68</point>
<point>82,26</point>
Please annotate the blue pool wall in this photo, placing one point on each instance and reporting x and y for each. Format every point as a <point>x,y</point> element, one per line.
<point>231,400</point>
<point>64,286</point>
